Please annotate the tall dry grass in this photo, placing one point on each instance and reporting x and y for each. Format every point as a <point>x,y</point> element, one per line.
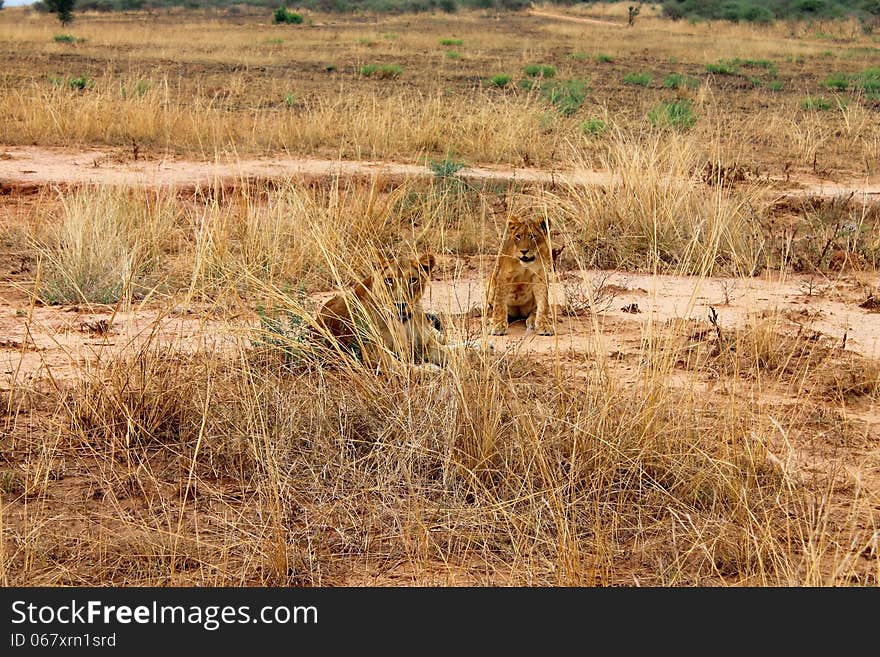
<point>231,90</point>
<point>695,458</point>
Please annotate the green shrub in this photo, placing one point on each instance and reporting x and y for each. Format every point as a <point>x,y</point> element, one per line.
<point>381,71</point>
<point>451,42</point>
<point>602,58</point>
<point>679,81</point>
<point>816,103</point>
<point>721,68</point>
<point>838,81</point>
<point>64,38</point>
<point>774,85</point>
<point>678,115</point>
<point>593,127</point>
<point>542,70</point>
<point>577,56</point>
<point>500,80</point>
<point>452,54</point>
<point>447,168</point>
<point>640,79</point>
<point>567,96</point>
<point>80,83</point>
<point>283,15</point>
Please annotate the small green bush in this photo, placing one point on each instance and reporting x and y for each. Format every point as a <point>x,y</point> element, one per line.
<point>80,83</point>
<point>721,68</point>
<point>577,56</point>
<point>602,58</point>
<point>774,85</point>
<point>539,70</point>
<point>816,104</point>
<point>452,54</point>
<point>500,80</point>
<point>566,95</point>
<point>838,81</point>
<point>678,115</point>
<point>446,169</point>
<point>679,81</point>
<point>283,16</point>
<point>593,127</point>
<point>381,71</point>
<point>451,42</point>
<point>640,79</point>
<point>64,38</point>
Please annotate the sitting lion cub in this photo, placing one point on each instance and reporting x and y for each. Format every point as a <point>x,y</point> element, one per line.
<point>520,282</point>
<point>382,315</point>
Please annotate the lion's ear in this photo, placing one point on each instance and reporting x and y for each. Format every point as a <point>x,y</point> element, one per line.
<point>427,262</point>
<point>544,225</point>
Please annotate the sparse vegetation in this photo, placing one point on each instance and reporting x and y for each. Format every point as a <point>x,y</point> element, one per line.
<point>593,127</point>
<point>381,71</point>
<point>285,16</point>
<point>175,416</point>
<point>679,81</point>
<point>678,114</point>
<point>567,96</point>
<point>816,104</point>
<point>638,79</point>
<point>540,70</point>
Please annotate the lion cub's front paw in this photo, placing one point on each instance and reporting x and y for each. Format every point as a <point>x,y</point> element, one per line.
<point>498,328</point>
<point>541,328</point>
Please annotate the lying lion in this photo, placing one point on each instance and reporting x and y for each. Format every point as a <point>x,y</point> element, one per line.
<point>382,315</point>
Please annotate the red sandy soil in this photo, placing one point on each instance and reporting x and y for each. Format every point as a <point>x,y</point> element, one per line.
<point>31,166</point>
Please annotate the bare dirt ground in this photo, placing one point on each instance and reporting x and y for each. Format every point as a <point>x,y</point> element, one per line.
<point>574,19</point>
<point>66,343</point>
<point>30,166</point>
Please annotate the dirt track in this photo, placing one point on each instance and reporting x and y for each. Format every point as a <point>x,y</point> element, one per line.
<point>28,166</point>
<point>574,19</point>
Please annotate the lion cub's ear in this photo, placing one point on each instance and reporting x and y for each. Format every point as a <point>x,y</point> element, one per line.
<point>543,225</point>
<point>427,262</point>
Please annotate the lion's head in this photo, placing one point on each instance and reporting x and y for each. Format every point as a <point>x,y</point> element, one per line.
<point>400,283</point>
<point>528,240</point>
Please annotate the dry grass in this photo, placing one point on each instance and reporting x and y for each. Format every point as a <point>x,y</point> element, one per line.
<point>231,89</point>
<point>244,453</point>
<point>218,468</point>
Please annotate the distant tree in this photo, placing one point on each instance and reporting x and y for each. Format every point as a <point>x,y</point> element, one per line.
<point>64,9</point>
<point>632,12</point>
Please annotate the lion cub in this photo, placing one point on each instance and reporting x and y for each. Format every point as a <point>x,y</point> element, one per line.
<point>520,282</point>
<point>382,315</point>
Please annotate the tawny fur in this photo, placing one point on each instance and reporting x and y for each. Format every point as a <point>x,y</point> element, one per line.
<point>382,316</point>
<point>519,285</point>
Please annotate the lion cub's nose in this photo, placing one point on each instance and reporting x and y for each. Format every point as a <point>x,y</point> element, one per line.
<point>524,251</point>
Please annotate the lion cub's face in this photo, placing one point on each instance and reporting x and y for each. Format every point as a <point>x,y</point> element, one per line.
<point>401,283</point>
<point>527,240</point>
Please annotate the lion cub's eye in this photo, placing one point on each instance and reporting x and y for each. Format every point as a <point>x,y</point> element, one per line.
<point>516,237</point>
<point>413,281</point>
<point>389,282</point>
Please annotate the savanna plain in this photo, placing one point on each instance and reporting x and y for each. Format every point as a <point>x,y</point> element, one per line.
<point>181,190</point>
